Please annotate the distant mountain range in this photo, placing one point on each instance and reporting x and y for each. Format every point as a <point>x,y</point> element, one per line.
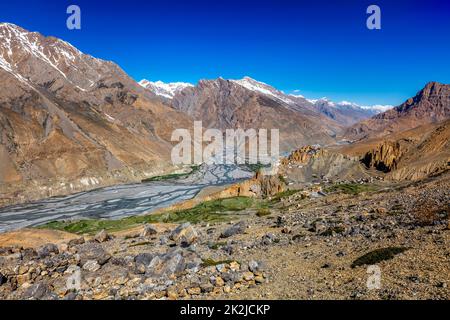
<point>71,122</point>
<point>344,113</point>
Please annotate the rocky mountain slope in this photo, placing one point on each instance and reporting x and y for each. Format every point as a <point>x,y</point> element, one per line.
<point>346,113</point>
<point>233,93</point>
<point>430,105</point>
<point>227,104</point>
<point>70,121</point>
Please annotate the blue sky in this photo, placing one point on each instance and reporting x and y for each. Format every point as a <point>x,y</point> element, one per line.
<point>321,48</point>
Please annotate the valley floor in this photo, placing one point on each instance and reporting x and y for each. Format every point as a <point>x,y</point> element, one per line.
<point>296,245</point>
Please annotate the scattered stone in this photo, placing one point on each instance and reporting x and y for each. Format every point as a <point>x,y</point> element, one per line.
<point>102,236</point>
<point>91,265</point>
<point>381,210</point>
<point>248,276</point>
<point>3,279</point>
<point>142,261</point>
<point>234,266</point>
<point>172,293</point>
<point>92,251</point>
<point>229,249</point>
<point>166,265</point>
<point>281,221</point>
<point>163,240</point>
<point>259,279</point>
<point>184,234</point>
<point>117,261</point>
<point>218,282</point>
<point>318,227</point>
<point>75,242</point>
<point>194,291</point>
<point>37,291</point>
<point>206,287</point>
<point>148,231</point>
<point>29,254</point>
<point>253,266</point>
<point>268,239</point>
<point>286,230</point>
<point>221,267</point>
<point>47,250</point>
<point>237,228</point>
<point>63,247</point>
<point>256,266</point>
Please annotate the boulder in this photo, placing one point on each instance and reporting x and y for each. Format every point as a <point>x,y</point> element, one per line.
<point>148,231</point>
<point>37,291</point>
<point>29,254</point>
<point>91,265</point>
<point>184,234</point>
<point>76,242</point>
<point>102,236</point>
<point>166,265</point>
<point>142,261</point>
<point>237,228</point>
<point>46,250</point>
<point>92,251</point>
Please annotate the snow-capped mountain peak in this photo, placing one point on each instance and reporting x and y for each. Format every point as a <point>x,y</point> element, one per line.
<point>22,51</point>
<point>348,105</point>
<point>261,87</point>
<point>167,90</point>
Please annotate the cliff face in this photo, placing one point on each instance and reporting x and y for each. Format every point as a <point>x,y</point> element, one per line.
<point>409,155</point>
<point>302,155</point>
<point>385,157</point>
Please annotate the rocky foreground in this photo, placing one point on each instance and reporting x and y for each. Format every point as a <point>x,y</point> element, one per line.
<point>305,245</point>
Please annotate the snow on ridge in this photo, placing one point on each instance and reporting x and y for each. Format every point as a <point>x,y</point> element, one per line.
<point>167,90</point>
<point>261,87</point>
<point>53,51</point>
<point>378,107</point>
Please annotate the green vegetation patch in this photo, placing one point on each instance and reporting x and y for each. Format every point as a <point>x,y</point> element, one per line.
<point>377,256</point>
<point>212,263</point>
<point>263,212</point>
<point>209,211</point>
<point>172,176</point>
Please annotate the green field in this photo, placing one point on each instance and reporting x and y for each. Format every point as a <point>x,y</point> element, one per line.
<point>209,211</point>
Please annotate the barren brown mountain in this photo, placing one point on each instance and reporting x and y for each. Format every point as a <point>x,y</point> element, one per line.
<point>430,105</point>
<point>247,104</point>
<point>70,121</point>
